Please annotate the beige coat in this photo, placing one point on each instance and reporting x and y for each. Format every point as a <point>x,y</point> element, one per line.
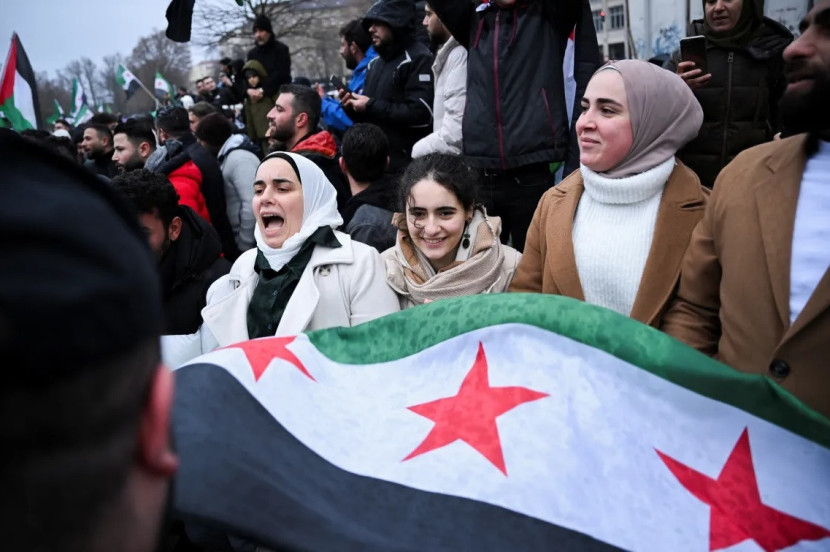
<point>734,296</point>
<point>548,263</point>
<point>344,286</point>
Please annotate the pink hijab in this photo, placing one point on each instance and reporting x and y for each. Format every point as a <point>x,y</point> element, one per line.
<point>665,115</point>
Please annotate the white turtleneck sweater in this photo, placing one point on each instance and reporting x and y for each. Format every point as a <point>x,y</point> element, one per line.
<point>612,233</point>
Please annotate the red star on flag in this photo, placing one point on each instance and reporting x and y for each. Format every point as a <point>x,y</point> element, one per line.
<point>471,414</point>
<point>736,511</point>
<point>260,353</point>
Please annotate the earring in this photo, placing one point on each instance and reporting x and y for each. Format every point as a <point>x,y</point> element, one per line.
<point>465,238</point>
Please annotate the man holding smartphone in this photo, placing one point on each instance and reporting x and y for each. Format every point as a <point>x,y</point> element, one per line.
<point>399,85</point>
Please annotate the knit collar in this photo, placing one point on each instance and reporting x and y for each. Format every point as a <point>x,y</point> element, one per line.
<point>629,189</point>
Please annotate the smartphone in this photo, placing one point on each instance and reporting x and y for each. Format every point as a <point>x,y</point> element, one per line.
<point>337,83</point>
<point>693,48</point>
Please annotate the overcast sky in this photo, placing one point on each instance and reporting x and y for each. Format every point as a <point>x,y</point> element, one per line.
<point>54,32</point>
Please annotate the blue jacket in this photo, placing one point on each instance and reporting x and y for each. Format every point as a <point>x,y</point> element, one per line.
<point>332,112</point>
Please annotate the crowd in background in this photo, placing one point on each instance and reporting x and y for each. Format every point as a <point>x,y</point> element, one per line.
<point>458,160</point>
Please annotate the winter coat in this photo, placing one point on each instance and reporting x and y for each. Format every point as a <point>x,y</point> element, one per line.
<point>276,60</point>
<point>332,112</point>
<point>548,264</point>
<point>740,100</point>
<point>516,112</point>
<point>239,165</point>
<point>187,270</point>
<point>256,113</point>
<point>733,301</point>
<point>344,286</point>
<point>178,152</point>
<point>450,73</point>
<point>322,150</point>
<point>399,84</point>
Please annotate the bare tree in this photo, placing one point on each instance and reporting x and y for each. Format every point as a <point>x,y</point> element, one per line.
<point>156,53</point>
<point>216,23</point>
<point>49,90</point>
<point>86,72</point>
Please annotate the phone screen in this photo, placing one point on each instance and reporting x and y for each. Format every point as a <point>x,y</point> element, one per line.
<point>693,49</point>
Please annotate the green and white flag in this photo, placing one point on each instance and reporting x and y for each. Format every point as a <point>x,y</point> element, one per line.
<point>497,422</point>
<point>81,112</point>
<point>127,81</point>
<point>18,90</point>
<point>57,114</point>
<point>163,87</point>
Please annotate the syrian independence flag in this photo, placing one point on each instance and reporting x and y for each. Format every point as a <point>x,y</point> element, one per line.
<point>18,90</point>
<point>163,87</point>
<point>58,113</point>
<point>496,422</point>
<point>127,81</point>
<point>81,112</point>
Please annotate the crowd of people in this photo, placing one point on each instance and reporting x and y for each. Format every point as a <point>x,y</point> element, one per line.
<point>453,163</point>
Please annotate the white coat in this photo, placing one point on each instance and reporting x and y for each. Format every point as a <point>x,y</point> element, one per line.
<point>450,72</point>
<point>344,286</point>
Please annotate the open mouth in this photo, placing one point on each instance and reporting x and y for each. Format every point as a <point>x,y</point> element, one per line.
<point>272,223</point>
<point>433,242</point>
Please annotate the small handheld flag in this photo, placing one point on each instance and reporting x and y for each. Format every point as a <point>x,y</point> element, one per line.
<point>125,78</point>
<point>163,87</point>
<point>18,90</point>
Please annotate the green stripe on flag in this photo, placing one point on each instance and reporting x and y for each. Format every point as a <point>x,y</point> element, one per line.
<point>400,335</point>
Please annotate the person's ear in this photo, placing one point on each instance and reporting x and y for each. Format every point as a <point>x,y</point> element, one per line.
<point>387,161</point>
<point>175,228</point>
<point>144,150</point>
<point>155,452</point>
<point>302,120</point>
<point>343,168</point>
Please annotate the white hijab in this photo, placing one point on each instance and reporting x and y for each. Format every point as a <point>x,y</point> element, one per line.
<point>319,209</point>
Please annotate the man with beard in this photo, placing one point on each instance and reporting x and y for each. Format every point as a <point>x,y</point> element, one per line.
<point>186,247</point>
<point>450,73</point>
<point>273,55</point>
<point>86,402</point>
<point>134,143</point>
<point>398,90</point>
<point>357,51</point>
<point>293,122</point>
<point>755,285</point>
<point>97,144</point>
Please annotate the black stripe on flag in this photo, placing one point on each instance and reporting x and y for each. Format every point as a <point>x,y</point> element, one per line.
<point>242,472</point>
<point>24,68</point>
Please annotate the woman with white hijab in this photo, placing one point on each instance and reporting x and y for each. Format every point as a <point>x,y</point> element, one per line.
<point>614,232</point>
<point>303,275</point>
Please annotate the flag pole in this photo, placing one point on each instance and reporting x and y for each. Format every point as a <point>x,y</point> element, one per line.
<point>141,84</point>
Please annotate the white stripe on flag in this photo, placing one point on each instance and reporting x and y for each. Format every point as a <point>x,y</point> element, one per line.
<point>595,470</point>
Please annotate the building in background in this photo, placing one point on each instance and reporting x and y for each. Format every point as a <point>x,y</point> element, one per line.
<point>655,27</point>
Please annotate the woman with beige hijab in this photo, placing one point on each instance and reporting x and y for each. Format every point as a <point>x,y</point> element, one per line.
<point>614,232</point>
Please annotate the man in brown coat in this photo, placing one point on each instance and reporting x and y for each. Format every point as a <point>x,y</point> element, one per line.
<point>755,286</point>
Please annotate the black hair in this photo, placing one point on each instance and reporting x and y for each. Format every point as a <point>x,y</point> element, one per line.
<point>173,120</point>
<point>365,151</point>
<point>305,101</point>
<point>149,193</point>
<point>214,129</point>
<point>353,32</point>
<point>63,122</point>
<point>100,130</point>
<point>103,119</point>
<point>202,109</point>
<point>56,144</point>
<point>137,131</point>
<point>450,171</point>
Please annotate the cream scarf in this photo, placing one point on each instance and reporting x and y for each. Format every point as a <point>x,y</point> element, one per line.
<point>477,269</point>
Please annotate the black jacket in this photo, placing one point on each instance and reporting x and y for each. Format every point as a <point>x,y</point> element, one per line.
<point>275,57</point>
<point>187,270</point>
<point>185,148</point>
<point>516,111</point>
<point>740,101</point>
<point>399,84</point>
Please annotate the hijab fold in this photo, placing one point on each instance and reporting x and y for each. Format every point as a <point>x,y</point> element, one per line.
<point>664,113</point>
<point>319,209</point>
